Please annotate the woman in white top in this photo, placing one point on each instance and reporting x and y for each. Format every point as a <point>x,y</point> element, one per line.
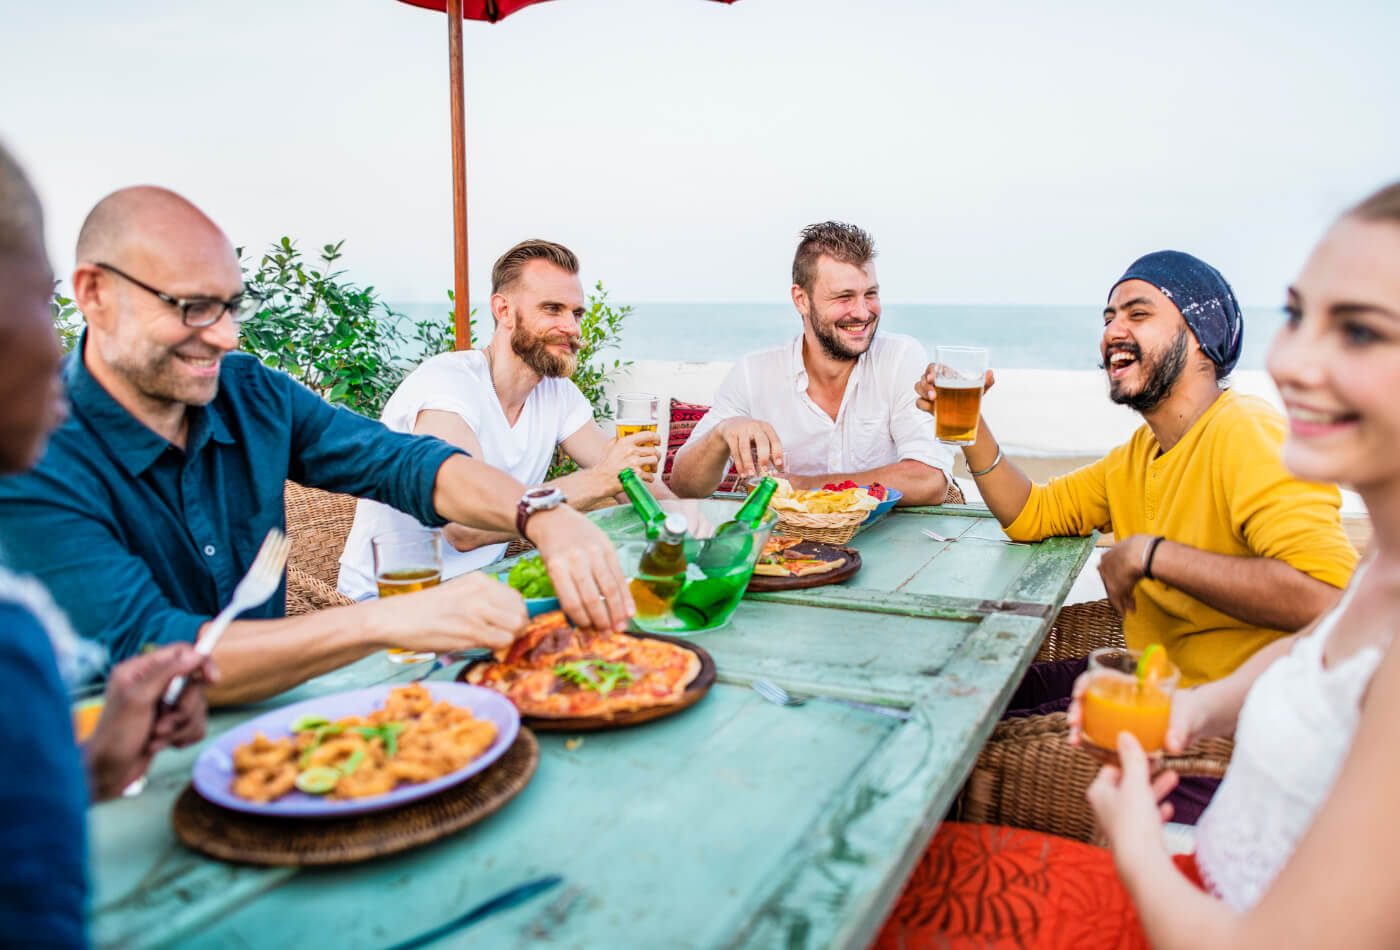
<point>1298,847</point>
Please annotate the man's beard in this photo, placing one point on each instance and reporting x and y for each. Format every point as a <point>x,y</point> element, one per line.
<point>1163,373</point>
<point>832,344</point>
<point>158,376</point>
<point>534,352</point>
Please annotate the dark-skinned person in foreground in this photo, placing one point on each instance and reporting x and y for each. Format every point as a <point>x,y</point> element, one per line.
<point>1218,550</point>
<point>46,779</point>
<point>155,495</point>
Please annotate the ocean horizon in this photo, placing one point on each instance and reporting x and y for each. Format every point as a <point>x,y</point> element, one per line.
<point>1018,336</point>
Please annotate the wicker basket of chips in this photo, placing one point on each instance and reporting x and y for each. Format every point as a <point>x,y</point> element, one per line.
<point>821,515</point>
<point>836,527</point>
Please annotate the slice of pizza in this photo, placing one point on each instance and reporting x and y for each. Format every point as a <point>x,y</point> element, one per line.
<point>800,558</point>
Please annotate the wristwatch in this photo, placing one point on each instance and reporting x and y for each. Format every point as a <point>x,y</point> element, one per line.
<point>534,501</point>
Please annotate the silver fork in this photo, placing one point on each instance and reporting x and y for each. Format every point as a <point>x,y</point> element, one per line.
<point>444,660</point>
<point>778,696</point>
<point>257,585</point>
<point>938,537</point>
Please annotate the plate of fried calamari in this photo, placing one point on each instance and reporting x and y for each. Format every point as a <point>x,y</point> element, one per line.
<point>357,751</point>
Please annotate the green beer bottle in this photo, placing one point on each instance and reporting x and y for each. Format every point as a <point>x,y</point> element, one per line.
<point>646,506</point>
<point>665,556</point>
<point>755,506</point>
<point>732,545</point>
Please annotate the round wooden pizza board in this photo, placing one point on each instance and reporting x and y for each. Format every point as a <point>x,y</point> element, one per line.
<point>693,694</point>
<point>765,583</point>
<point>303,842</point>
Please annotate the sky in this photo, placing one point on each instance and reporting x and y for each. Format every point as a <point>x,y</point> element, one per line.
<point>1000,152</point>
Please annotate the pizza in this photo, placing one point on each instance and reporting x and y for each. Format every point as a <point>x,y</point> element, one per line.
<point>557,671</point>
<point>793,557</point>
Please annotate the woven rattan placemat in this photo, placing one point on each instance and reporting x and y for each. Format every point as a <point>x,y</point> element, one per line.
<point>258,839</point>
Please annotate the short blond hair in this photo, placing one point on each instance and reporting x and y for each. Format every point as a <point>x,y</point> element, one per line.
<point>837,240</point>
<point>509,265</point>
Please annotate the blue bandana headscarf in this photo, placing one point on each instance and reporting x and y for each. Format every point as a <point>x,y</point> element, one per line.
<point>1203,297</point>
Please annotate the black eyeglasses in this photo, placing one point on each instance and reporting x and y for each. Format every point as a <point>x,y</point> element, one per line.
<point>199,311</point>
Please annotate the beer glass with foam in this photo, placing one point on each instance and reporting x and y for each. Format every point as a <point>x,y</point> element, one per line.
<point>636,412</point>
<point>406,562</point>
<point>958,380</point>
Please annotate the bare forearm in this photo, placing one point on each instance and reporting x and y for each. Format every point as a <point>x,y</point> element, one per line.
<point>920,484</point>
<point>1258,590</point>
<point>261,658</point>
<point>1220,701</point>
<point>476,495</point>
<point>1175,914</point>
<point>586,487</point>
<point>1005,488</point>
<point>463,538</point>
<point>699,466</point>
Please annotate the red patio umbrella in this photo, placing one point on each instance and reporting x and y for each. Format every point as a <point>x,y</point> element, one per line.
<point>456,10</point>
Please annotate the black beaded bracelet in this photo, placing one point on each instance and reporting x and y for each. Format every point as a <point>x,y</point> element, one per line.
<point>1148,554</point>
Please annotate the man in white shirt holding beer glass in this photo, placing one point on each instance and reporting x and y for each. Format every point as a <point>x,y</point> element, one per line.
<point>509,404</point>
<point>831,405</point>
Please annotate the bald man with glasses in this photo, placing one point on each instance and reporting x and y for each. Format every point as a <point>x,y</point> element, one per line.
<point>154,497</point>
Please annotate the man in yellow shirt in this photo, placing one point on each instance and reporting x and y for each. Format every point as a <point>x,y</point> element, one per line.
<point>1218,550</point>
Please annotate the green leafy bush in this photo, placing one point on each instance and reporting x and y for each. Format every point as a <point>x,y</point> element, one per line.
<point>67,321</point>
<point>337,338</point>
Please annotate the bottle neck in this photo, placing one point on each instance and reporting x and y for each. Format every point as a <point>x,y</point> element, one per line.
<point>642,500</point>
<point>753,509</point>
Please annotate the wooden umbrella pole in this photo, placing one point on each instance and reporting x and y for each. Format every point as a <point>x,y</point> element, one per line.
<point>459,173</point>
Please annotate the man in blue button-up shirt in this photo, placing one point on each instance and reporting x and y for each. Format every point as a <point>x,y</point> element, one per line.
<point>153,498</point>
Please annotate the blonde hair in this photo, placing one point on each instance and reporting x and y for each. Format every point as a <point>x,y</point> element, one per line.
<point>837,240</point>
<point>509,265</point>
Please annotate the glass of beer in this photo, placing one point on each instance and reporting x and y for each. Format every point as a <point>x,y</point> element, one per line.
<point>406,562</point>
<point>959,376</point>
<point>636,412</point>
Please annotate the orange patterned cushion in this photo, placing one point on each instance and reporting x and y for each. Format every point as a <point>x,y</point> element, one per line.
<point>989,887</point>
<point>684,416</point>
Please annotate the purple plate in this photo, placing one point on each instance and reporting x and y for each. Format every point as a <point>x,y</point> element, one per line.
<point>213,770</point>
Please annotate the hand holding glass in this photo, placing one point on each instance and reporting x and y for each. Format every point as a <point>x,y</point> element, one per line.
<point>960,374</point>
<point>1118,700</point>
<point>636,412</point>
<point>406,562</point>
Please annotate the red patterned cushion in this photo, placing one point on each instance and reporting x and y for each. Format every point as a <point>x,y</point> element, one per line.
<point>989,887</point>
<point>684,416</point>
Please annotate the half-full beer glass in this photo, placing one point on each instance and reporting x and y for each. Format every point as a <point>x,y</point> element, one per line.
<point>406,562</point>
<point>636,412</point>
<point>958,380</point>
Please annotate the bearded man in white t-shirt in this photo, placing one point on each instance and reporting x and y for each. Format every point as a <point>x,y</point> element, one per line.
<point>830,405</point>
<point>509,405</point>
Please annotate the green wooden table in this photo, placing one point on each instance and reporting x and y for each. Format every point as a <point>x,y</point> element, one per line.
<point>734,824</point>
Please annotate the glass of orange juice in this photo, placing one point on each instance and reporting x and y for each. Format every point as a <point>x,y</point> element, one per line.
<point>1129,691</point>
<point>406,562</point>
<point>85,714</point>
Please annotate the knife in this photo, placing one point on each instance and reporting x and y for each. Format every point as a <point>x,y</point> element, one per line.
<point>502,901</point>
